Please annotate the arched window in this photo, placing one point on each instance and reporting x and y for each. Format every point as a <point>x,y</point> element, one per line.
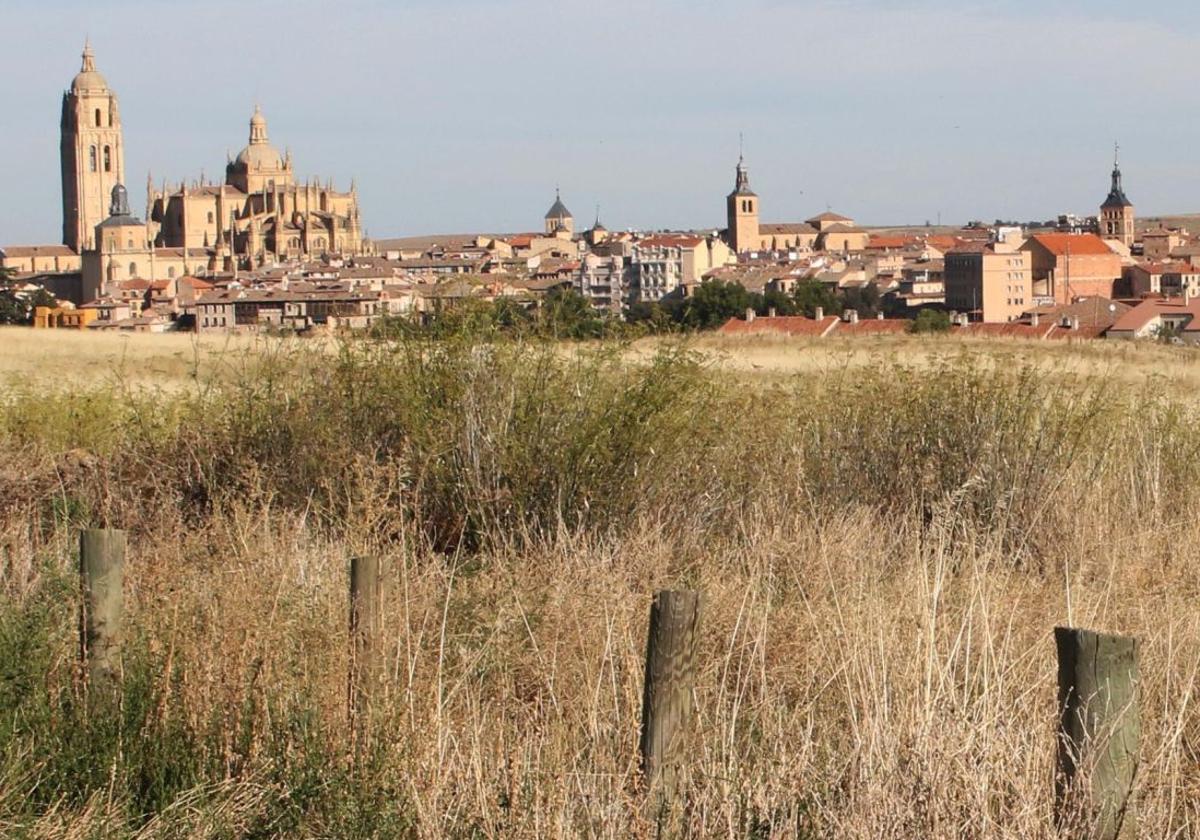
<point>210,217</point>
<point>171,272</point>
<point>97,118</point>
<point>133,269</point>
<point>92,158</point>
<point>107,159</point>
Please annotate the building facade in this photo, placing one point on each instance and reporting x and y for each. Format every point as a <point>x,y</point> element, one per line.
<point>988,285</point>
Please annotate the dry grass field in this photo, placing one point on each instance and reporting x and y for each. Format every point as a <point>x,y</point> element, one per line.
<point>884,535</point>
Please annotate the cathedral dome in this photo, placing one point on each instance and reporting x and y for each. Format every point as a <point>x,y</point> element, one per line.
<point>260,154</point>
<point>88,77</point>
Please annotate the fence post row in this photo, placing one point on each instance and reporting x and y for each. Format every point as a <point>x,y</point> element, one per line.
<point>102,574</point>
<point>1098,734</point>
<point>667,693</point>
<point>364,625</point>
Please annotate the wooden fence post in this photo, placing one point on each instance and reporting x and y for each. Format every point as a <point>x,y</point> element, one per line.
<point>667,693</point>
<point>364,627</point>
<point>102,574</point>
<point>1098,734</point>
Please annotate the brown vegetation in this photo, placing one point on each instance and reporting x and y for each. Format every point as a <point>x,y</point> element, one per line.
<point>883,551</point>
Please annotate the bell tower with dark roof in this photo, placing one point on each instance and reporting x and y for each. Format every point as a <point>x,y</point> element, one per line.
<point>1116,213</point>
<point>741,212</point>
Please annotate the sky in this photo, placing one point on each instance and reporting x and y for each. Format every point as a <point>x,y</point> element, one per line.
<point>464,115</point>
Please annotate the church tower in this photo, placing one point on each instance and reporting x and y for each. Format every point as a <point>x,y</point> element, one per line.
<point>92,152</point>
<point>741,210</point>
<point>1116,213</point>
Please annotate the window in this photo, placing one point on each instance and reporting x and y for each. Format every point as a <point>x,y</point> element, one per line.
<point>133,269</point>
<point>210,217</point>
<point>107,159</point>
<point>171,273</point>
<point>92,158</point>
<point>97,118</point>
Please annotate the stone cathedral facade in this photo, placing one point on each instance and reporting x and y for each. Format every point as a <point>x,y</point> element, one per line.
<point>261,213</point>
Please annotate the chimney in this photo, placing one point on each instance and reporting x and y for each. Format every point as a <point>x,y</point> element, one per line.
<point>771,312</point>
<point>853,317</point>
<point>749,314</point>
<point>1034,319</point>
<point>818,313</point>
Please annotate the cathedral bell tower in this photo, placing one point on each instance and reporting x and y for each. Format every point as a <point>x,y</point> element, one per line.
<point>92,151</point>
<point>741,209</point>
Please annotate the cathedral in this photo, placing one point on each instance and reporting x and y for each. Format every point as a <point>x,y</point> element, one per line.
<point>259,215</point>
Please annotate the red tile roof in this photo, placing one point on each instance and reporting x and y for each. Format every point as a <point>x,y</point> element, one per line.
<point>873,326</point>
<point>37,251</point>
<point>880,243</point>
<point>1009,330</point>
<point>1151,308</point>
<point>784,324</point>
<point>1079,244</point>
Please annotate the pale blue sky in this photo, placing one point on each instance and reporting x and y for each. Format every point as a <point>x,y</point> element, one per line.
<point>458,115</point>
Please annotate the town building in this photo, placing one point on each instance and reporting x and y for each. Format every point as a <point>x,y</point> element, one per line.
<point>746,234</point>
<point>667,264</point>
<point>1067,266</point>
<point>987,283</point>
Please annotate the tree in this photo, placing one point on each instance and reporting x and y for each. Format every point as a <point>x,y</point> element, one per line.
<point>567,314</point>
<point>780,302</point>
<point>863,299</point>
<point>714,302</point>
<point>17,305</point>
<point>651,316</point>
<point>810,294</point>
<point>930,321</point>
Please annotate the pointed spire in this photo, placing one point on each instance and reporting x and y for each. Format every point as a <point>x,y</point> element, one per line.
<point>89,60</point>
<point>1116,195</point>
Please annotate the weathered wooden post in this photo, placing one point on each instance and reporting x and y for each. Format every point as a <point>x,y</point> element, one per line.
<point>667,693</point>
<point>1098,734</point>
<point>102,575</point>
<point>364,627</point>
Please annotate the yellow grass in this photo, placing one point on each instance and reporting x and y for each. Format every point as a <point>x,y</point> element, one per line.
<point>867,670</point>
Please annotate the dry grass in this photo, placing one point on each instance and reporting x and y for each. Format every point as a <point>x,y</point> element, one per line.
<point>882,563</point>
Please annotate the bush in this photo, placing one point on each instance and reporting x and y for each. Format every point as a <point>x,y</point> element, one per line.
<point>930,321</point>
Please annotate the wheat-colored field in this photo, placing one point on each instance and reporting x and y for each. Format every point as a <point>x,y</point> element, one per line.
<point>175,359</point>
<point>884,534</point>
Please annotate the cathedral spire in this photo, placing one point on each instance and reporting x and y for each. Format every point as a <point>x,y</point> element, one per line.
<point>89,60</point>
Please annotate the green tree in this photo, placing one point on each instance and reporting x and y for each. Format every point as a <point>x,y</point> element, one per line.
<point>567,314</point>
<point>864,299</point>
<point>714,302</point>
<point>930,321</point>
<point>779,301</point>
<point>17,306</point>
<point>810,294</point>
